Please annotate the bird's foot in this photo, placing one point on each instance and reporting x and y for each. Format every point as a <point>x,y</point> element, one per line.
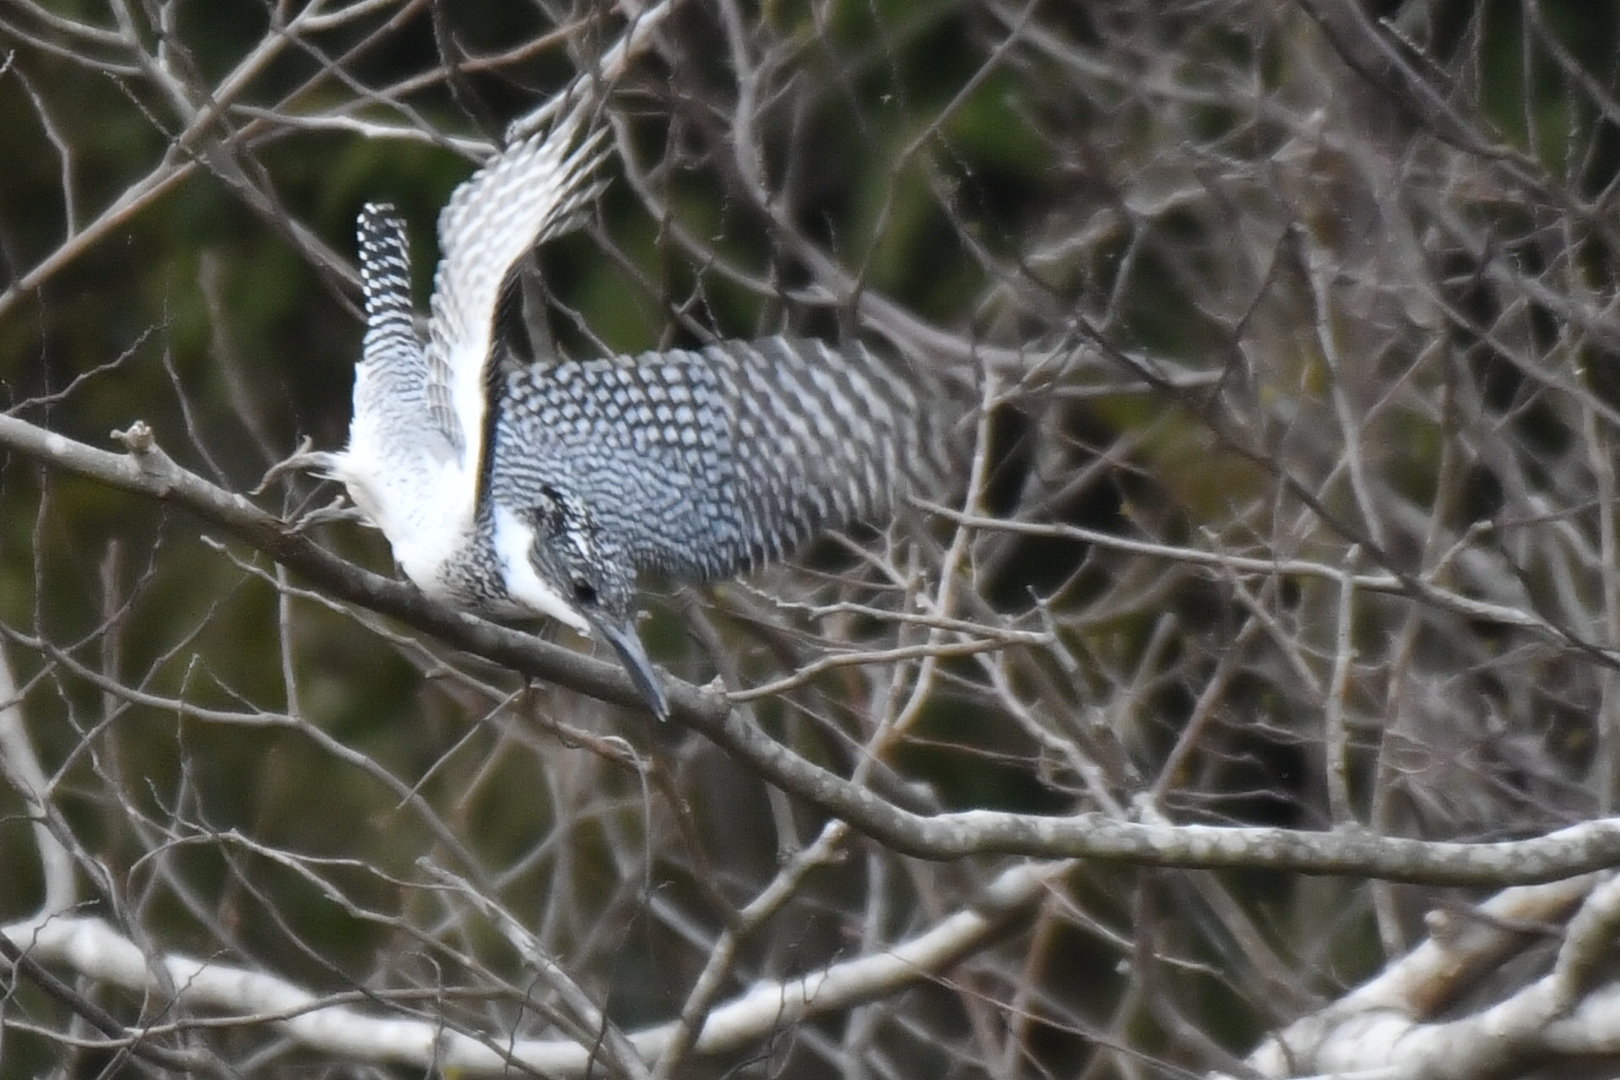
<point>339,509</point>
<point>301,460</point>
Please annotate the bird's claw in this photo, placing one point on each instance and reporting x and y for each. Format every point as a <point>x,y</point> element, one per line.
<point>301,460</point>
<point>336,510</point>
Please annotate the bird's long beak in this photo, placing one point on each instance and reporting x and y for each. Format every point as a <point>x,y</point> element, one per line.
<point>633,655</point>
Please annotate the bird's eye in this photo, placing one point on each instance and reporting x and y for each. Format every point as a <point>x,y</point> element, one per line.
<point>584,592</point>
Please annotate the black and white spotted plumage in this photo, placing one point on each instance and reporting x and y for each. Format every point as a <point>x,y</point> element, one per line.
<point>549,489</point>
<point>709,462</point>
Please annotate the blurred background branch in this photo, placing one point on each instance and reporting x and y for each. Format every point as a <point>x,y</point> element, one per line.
<point>1286,337</point>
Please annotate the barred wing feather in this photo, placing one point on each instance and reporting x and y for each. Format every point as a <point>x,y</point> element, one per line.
<point>526,195</point>
<point>704,463</point>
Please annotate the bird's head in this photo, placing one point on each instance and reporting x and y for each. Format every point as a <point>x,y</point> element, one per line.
<point>596,578</point>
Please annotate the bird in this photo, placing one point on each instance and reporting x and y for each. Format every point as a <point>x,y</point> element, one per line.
<point>516,490</point>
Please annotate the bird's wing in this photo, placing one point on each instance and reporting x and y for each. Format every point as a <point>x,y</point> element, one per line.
<point>827,437</point>
<point>704,463</point>
<point>393,368</point>
<point>533,190</point>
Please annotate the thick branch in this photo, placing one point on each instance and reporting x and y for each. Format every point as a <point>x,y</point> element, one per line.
<point>93,948</point>
<point>147,471</point>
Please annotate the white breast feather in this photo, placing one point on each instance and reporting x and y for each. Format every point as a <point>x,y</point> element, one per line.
<point>411,489</point>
